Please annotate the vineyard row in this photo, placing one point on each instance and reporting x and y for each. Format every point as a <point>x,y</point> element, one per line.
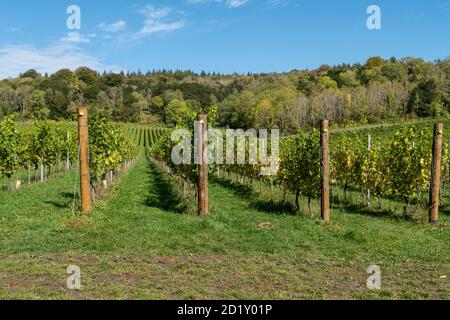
<point>45,148</point>
<point>396,166</point>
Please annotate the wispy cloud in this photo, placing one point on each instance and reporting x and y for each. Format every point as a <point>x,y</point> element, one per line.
<point>15,59</point>
<point>204,1</point>
<point>14,29</point>
<point>229,3</point>
<point>158,20</point>
<point>236,3</point>
<point>277,3</point>
<point>113,27</point>
<point>239,3</point>
<point>419,16</point>
<point>75,37</point>
<point>444,6</point>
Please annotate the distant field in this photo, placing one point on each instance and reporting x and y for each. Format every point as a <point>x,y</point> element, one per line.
<point>385,130</point>
<point>143,136</point>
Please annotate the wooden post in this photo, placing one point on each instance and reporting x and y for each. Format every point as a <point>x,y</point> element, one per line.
<point>202,167</point>
<point>436,173</point>
<point>325,171</point>
<point>85,183</point>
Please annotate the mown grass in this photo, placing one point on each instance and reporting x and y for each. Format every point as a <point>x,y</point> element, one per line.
<point>133,248</point>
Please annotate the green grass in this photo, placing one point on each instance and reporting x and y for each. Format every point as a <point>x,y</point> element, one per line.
<point>135,245</point>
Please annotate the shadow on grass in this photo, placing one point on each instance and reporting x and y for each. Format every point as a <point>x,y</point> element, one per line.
<point>69,195</point>
<point>59,205</point>
<point>352,191</point>
<point>238,189</point>
<point>255,201</point>
<point>352,208</point>
<point>415,213</point>
<point>276,207</point>
<point>163,194</point>
<point>445,211</point>
<point>64,204</point>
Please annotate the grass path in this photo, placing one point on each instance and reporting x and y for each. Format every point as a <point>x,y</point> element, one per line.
<point>136,245</point>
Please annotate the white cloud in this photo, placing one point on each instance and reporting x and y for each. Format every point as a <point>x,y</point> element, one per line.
<point>228,3</point>
<point>113,27</point>
<point>204,1</point>
<point>14,29</point>
<point>236,3</point>
<point>75,37</point>
<point>158,20</point>
<point>277,3</point>
<point>239,3</point>
<point>444,6</point>
<point>16,59</point>
<point>150,28</point>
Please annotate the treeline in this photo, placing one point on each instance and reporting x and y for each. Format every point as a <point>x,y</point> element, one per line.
<point>376,91</point>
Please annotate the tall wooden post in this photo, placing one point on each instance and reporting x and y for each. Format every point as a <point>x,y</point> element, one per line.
<point>202,167</point>
<point>325,171</point>
<point>85,183</point>
<point>436,173</point>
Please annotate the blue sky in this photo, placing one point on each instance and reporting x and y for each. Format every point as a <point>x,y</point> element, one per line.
<point>216,35</point>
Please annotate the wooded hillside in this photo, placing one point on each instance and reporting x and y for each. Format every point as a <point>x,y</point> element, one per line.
<point>377,91</point>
